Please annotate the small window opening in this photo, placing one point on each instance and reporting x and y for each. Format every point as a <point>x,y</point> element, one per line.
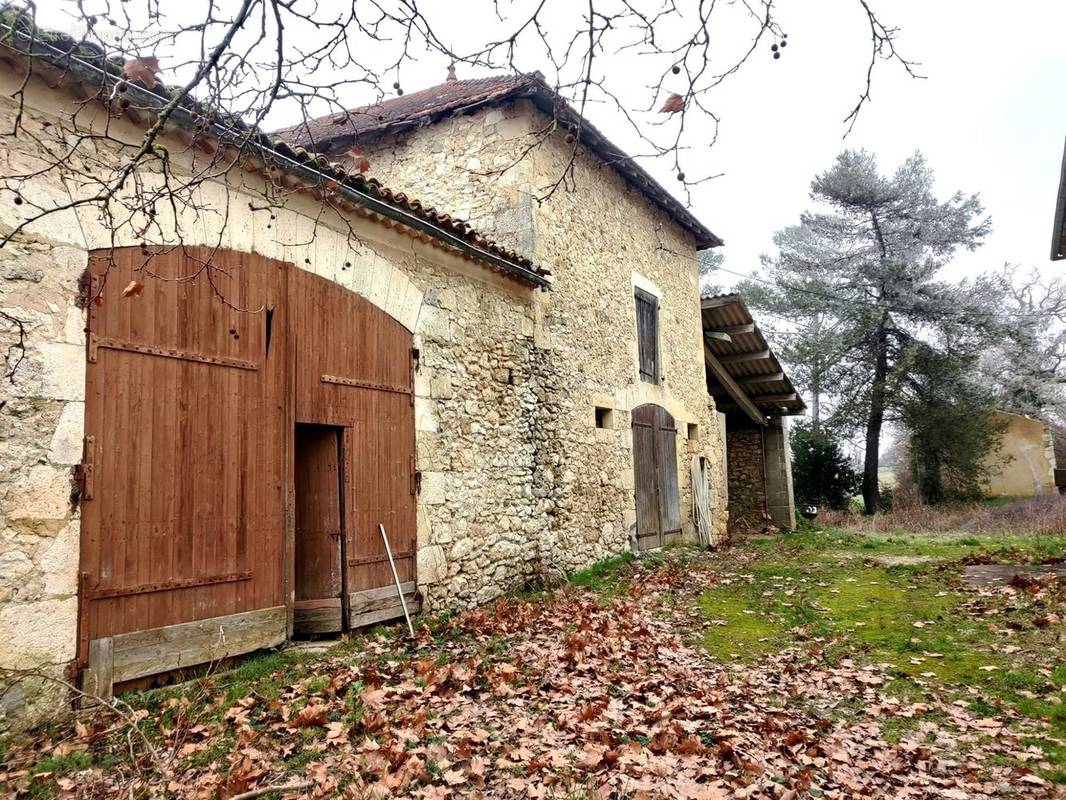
<point>604,417</point>
<point>648,336</point>
<point>693,431</point>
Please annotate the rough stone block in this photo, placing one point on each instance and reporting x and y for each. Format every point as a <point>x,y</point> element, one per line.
<point>62,371</point>
<point>66,445</point>
<point>425,415</point>
<point>40,493</point>
<point>59,564</point>
<point>432,566</point>
<point>32,634</point>
<point>441,388</point>
<point>434,490</point>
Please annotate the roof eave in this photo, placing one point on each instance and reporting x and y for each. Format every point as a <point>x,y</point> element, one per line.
<point>35,48</point>
<point>545,98</point>
<point>1058,236</point>
<point>755,405</point>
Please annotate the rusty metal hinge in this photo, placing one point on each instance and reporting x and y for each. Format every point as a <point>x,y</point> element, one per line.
<point>85,472</point>
<point>415,356</point>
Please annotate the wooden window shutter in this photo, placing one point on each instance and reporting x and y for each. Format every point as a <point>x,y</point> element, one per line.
<point>648,336</point>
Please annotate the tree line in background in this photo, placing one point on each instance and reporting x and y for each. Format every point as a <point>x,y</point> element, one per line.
<point>879,336</point>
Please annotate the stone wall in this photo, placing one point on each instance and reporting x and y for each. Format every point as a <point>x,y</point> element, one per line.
<point>41,417</point>
<point>747,484</point>
<point>600,239</point>
<point>470,166</point>
<point>777,458</point>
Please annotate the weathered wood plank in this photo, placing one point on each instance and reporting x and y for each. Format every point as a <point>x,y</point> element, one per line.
<point>739,358</point>
<point>98,678</point>
<point>186,644</point>
<point>358,599</point>
<point>772,377</point>
<point>317,619</point>
<point>386,613</point>
<point>731,386</point>
<point>381,604</point>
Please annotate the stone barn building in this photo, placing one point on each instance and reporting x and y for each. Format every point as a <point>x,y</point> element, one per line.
<point>510,154</point>
<point>219,408</point>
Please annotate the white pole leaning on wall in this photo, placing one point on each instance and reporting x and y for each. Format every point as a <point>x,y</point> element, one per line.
<point>395,577</point>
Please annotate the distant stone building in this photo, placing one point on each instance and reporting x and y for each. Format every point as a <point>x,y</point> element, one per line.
<point>1023,465</point>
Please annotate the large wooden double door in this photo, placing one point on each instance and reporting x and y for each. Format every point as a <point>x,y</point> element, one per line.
<point>248,425</point>
<point>655,477</point>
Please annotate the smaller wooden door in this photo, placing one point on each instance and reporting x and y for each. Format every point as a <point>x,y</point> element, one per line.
<point>319,509</point>
<point>655,477</point>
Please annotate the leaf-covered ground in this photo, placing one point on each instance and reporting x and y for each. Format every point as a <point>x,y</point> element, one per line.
<point>812,665</point>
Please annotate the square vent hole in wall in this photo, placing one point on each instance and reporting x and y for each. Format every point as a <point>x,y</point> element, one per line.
<point>693,431</point>
<point>604,417</point>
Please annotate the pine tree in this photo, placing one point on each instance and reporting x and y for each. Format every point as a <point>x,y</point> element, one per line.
<point>866,263</point>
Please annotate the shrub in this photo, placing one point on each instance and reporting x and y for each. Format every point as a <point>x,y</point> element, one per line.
<point>821,473</point>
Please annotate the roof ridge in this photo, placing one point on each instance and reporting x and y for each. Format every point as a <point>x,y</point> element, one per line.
<point>332,134</point>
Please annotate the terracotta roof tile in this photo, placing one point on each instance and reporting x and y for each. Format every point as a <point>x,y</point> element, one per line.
<point>324,133</point>
<point>336,132</point>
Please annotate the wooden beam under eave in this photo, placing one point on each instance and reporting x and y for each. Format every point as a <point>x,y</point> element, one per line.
<point>786,397</point>
<point>737,358</point>
<point>773,377</point>
<point>732,330</point>
<point>723,377</point>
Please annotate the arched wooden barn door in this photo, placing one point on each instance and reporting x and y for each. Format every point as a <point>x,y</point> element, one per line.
<point>182,501</point>
<point>655,477</point>
<point>249,426</point>
<point>354,372</point>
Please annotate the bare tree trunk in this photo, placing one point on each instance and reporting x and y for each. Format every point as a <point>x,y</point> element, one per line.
<point>816,380</point>
<point>816,403</point>
<point>871,495</point>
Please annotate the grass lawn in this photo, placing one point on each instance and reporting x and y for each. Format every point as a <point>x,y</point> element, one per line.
<point>898,600</point>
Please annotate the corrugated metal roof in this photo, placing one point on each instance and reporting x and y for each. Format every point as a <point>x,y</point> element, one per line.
<point>734,339</point>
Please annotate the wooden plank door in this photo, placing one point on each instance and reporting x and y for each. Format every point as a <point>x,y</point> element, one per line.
<point>658,503</point>
<point>319,503</point>
<point>354,369</point>
<point>646,484</point>
<point>666,474</point>
<point>182,501</point>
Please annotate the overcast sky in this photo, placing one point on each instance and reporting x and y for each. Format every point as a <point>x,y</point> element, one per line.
<point>990,115</point>
<point>990,118</point>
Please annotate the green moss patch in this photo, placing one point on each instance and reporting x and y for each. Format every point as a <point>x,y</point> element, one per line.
<point>993,650</point>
